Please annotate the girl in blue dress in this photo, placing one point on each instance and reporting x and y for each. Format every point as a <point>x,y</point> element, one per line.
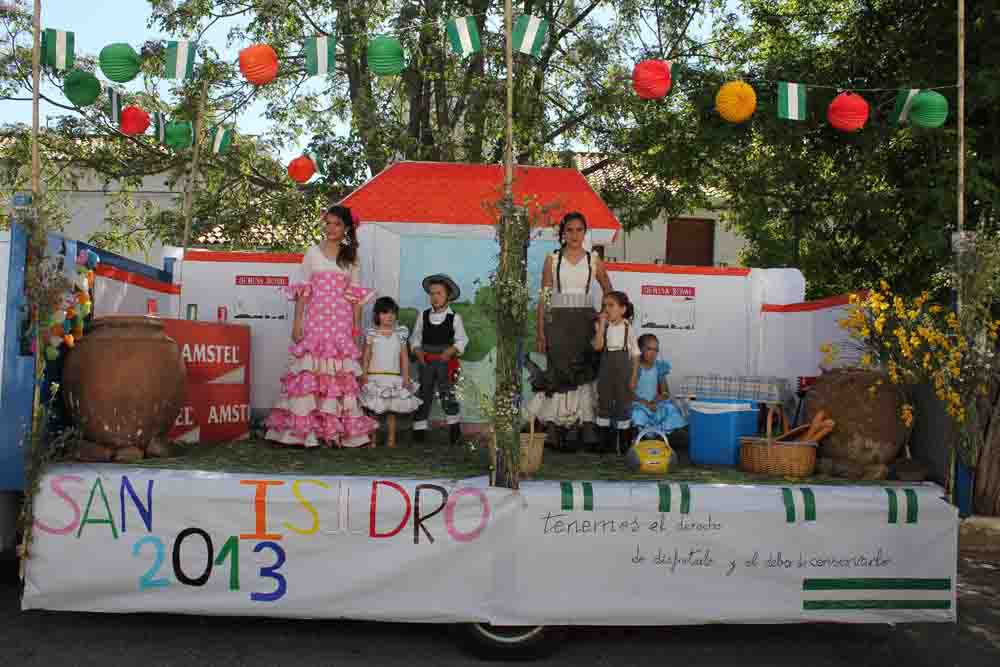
<point>652,407</point>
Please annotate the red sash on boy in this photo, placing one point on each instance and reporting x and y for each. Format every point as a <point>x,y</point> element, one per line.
<point>453,364</point>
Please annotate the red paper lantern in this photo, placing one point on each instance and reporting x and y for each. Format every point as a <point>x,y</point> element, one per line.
<point>301,169</point>
<point>134,120</point>
<point>848,112</point>
<point>259,64</point>
<point>651,79</point>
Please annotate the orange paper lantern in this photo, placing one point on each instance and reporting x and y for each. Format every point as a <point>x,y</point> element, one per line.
<point>651,79</point>
<point>301,169</point>
<point>69,340</point>
<point>70,313</point>
<point>134,120</point>
<point>848,112</point>
<point>90,279</point>
<point>259,64</point>
<point>57,331</point>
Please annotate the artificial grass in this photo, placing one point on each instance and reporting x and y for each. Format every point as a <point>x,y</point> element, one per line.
<point>437,459</point>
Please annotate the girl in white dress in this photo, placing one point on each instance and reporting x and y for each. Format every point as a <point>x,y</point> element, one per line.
<point>386,385</point>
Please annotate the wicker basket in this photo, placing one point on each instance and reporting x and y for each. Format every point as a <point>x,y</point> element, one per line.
<point>791,458</point>
<point>532,450</point>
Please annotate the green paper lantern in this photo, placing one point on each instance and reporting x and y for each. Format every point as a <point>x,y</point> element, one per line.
<point>929,109</point>
<point>81,88</point>
<point>119,62</point>
<point>385,56</point>
<point>178,134</point>
<point>51,353</point>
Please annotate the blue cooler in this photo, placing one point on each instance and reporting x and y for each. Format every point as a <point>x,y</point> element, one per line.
<point>715,427</point>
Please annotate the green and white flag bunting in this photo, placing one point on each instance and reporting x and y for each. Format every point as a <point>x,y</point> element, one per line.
<point>317,162</point>
<point>160,126</point>
<point>903,507</point>
<point>904,100</point>
<point>464,36</point>
<point>675,498</point>
<point>180,59</point>
<point>221,140</point>
<point>848,594</point>
<point>577,496</point>
<point>800,504</point>
<point>116,105</point>
<point>529,34</point>
<point>321,53</point>
<point>791,100</point>
<point>58,48</point>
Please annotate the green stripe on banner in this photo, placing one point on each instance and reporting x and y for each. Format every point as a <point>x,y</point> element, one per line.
<point>875,584</point>
<point>567,496</point>
<point>664,497</point>
<point>858,605</point>
<point>685,499</point>
<point>809,499</point>
<point>911,505</point>
<point>786,495</point>
<point>893,505</point>
<point>588,497</point>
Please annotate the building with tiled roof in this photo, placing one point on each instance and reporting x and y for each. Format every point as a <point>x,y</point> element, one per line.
<point>699,237</point>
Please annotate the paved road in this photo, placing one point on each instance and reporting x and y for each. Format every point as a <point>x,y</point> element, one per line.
<point>53,639</point>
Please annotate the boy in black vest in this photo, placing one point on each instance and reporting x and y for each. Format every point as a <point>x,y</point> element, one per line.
<point>437,341</point>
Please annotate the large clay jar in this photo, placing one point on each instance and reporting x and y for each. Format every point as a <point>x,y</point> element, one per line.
<point>125,384</point>
<point>868,428</point>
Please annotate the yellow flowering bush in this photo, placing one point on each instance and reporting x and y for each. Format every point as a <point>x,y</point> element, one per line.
<point>913,340</point>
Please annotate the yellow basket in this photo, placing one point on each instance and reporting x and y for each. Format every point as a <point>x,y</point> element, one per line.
<point>650,456</point>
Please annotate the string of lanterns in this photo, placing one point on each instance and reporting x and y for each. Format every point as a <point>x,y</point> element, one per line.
<point>652,79</point>
<point>736,101</point>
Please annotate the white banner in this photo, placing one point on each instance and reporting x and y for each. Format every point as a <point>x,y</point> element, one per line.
<point>119,539</point>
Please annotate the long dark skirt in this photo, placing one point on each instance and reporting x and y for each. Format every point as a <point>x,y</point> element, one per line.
<point>571,360</point>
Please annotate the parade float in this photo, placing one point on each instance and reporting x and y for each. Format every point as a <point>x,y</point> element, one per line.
<point>220,522</point>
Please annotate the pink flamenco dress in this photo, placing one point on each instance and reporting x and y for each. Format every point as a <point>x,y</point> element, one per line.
<point>319,402</point>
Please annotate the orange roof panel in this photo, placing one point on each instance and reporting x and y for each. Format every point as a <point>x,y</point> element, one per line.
<point>451,193</point>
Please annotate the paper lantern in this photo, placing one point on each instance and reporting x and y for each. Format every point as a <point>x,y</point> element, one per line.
<point>385,56</point>
<point>179,135</point>
<point>56,341</point>
<point>69,340</point>
<point>86,308</point>
<point>848,112</point>
<point>134,121</point>
<point>736,101</point>
<point>81,88</point>
<point>651,79</point>
<point>93,259</point>
<point>929,109</point>
<point>301,169</point>
<point>51,353</point>
<point>119,62</point>
<point>90,279</point>
<point>56,330</point>
<point>259,64</point>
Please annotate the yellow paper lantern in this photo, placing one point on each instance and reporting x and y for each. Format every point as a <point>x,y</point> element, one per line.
<point>736,101</point>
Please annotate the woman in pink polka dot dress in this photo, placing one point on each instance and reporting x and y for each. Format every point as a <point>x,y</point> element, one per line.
<point>319,394</point>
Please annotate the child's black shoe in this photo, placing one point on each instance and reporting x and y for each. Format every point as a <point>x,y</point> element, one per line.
<point>455,433</point>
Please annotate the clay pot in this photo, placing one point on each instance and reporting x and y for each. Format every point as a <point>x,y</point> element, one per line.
<point>125,384</point>
<point>868,431</point>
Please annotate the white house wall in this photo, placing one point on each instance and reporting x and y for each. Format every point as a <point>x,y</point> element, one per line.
<point>87,210</point>
<point>649,245</point>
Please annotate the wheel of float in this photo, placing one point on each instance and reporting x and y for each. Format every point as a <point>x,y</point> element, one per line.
<point>509,642</point>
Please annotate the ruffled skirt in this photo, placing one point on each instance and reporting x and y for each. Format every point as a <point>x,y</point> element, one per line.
<point>386,393</point>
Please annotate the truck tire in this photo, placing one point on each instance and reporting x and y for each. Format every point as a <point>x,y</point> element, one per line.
<point>509,642</point>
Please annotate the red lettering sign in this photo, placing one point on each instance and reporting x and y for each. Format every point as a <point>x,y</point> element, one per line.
<point>665,290</point>
<point>262,281</point>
